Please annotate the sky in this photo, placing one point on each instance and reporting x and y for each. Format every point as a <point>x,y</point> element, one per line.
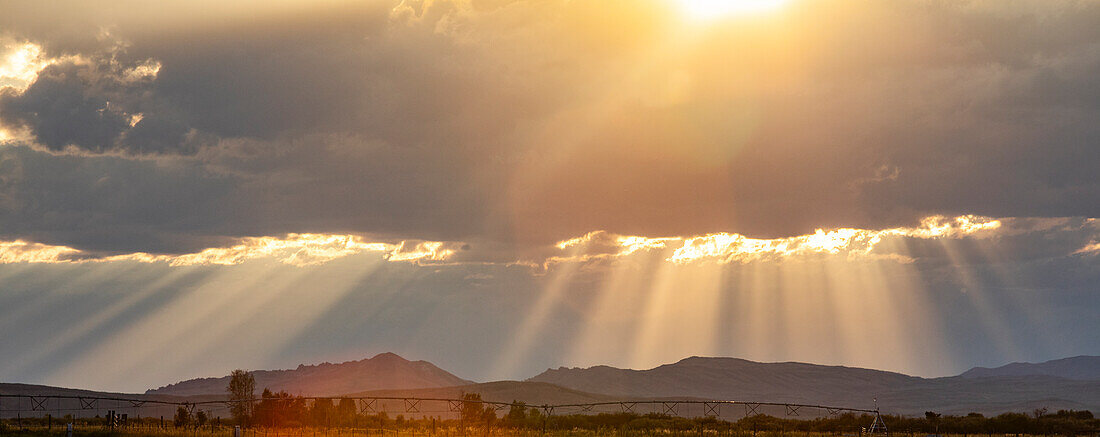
<point>505,186</point>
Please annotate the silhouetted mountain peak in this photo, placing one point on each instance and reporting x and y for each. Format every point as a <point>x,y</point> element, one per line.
<point>700,361</point>
<point>739,379</point>
<point>1083,367</point>
<point>388,357</point>
<point>728,378</point>
<point>383,371</point>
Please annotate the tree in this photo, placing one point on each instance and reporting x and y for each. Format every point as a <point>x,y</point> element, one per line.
<point>183,417</point>
<point>200,418</point>
<point>472,409</point>
<point>933,418</point>
<point>278,409</point>
<point>322,412</point>
<point>241,389</point>
<point>475,412</point>
<point>517,414</point>
<point>346,411</point>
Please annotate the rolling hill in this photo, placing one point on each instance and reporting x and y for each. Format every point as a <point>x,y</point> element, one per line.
<point>383,371</point>
<point>1055,385</point>
<point>1081,368</point>
<point>737,379</point>
<point>731,378</point>
<point>16,404</point>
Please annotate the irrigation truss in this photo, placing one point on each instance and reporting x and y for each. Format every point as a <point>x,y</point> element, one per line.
<point>25,405</point>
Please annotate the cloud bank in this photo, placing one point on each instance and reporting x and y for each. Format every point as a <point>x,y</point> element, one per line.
<point>525,123</point>
<point>1018,239</point>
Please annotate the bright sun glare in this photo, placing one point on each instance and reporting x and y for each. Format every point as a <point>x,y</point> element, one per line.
<point>708,9</point>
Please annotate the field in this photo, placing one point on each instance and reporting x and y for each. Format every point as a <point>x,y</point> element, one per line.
<point>452,432</point>
<point>449,432</point>
<point>321,418</point>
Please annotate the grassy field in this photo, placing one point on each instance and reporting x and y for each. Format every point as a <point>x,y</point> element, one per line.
<point>1075,424</point>
<point>350,432</point>
<point>504,432</point>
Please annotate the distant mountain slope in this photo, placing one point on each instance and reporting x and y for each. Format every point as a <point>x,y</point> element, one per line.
<point>733,378</point>
<point>994,395</point>
<point>1081,368</point>
<point>15,406</point>
<point>737,379</point>
<point>384,371</point>
<point>388,375</point>
<point>11,388</point>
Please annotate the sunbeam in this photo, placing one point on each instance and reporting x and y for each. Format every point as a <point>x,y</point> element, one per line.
<point>540,191</point>
<point>535,320</point>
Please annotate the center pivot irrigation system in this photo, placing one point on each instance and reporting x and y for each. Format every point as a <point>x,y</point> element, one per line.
<point>18,404</point>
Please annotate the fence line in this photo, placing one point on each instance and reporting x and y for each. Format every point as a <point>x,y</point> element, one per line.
<point>413,405</point>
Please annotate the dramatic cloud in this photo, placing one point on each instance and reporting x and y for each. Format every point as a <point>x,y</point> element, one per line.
<point>69,104</point>
<point>530,122</point>
<point>21,64</point>
<point>295,249</point>
<point>24,252</point>
<point>1013,238</point>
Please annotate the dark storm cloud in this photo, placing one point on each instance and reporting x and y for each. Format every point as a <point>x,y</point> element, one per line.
<point>99,102</point>
<point>110,205</point>
<point>521,123</point>
<point>60,110</point>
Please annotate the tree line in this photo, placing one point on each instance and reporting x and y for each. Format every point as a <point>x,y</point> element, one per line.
<point>1064,422</point>
<point>281,409</point>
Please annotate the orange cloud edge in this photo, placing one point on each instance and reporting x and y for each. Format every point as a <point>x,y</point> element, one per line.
<point>310,249</point>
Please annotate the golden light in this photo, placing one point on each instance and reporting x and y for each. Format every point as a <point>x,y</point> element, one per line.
<point>20,65</point>
<point>294,249</point>
<point>712,9</point>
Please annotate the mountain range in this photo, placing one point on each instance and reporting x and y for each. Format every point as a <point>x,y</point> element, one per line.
<point>1026,388</point>
<point>383,371</point>
<point>1070,383</point>
<point>731,378</point>
<point>1082,368</point>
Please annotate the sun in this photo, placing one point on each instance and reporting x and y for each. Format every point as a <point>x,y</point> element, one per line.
<point>711,9</point>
